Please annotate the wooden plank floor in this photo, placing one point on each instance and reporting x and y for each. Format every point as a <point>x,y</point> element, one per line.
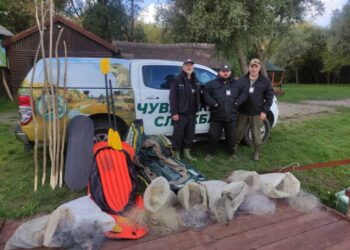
<point>323,228</point>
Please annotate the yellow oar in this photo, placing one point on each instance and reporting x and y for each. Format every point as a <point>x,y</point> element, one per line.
<point>113,137</point>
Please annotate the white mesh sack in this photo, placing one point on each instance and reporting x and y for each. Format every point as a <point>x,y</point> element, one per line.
<point>280,185</point>
<point>79,215</point>
<point>224,199</point>
<point>193,195</point>
<point>251,178</point>
<point>158,195</point>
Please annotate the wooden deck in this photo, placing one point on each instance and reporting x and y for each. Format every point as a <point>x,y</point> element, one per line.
<point>322,228</point>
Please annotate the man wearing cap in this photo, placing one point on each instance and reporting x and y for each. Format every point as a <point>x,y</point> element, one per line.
<point>184,104</point>
<point>223,95</point>
<point>258,104</point>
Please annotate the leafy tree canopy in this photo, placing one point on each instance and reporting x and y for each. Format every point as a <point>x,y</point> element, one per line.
<point>337,54</point>
<point>234,26</point>
<point>17,15</point>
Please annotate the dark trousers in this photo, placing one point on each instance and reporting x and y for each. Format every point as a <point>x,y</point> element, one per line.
<point>183,134</point>
<point>215,133</point>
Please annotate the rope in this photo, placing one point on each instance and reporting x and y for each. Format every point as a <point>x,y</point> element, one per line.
<point>308,166</point>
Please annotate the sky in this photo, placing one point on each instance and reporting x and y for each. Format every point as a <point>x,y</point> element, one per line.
<point>150,6</point>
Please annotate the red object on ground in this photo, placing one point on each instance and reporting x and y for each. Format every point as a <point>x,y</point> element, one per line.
<point>117,187</point>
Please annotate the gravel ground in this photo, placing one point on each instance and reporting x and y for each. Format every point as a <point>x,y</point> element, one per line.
<point>308,109</point>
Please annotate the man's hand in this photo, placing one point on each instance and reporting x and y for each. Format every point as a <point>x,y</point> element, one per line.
<point>262,116</point>
<point>216,105</point>
<point>175,118</point>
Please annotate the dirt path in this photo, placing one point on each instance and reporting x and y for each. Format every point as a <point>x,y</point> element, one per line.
<point>11,118</point>
<point>290,112</point>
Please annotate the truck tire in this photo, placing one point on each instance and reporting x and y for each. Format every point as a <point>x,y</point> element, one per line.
<point>101,127</point>
<point>265,132</point>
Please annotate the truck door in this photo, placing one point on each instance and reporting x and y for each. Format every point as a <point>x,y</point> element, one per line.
<point>203,76</point>
<point>153,106</point>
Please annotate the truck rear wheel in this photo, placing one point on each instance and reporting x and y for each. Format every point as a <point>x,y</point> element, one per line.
<point>265,134</point>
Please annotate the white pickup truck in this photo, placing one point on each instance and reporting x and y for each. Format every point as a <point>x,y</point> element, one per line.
<point>140,88</point>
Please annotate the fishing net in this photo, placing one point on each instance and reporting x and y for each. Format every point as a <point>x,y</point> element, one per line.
<point>224,199</point>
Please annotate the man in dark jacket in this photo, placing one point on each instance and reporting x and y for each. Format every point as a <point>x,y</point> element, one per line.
<point>223,95</point>
<point>258,104</point>
<point>184,104</point>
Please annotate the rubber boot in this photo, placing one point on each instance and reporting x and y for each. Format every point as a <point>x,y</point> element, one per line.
<point>208,157</point>
<point>234,156</point>
<point>188,155</point>
<point>256,155</point>
<point>177,155</point>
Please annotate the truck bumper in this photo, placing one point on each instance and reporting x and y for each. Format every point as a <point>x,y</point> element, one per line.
<point>21,136</point>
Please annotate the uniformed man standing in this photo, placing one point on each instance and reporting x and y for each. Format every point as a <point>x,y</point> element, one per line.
<point>184,103</point>
<point>255,109</point>
<point>224,95</point>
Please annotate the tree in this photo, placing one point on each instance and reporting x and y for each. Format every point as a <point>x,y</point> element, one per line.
<point>133,11</point>
<point>301,51</point>
<point>235,26</point>
<point>337,54</point>
<point>71,8</point>
<point>107,19</point>
<point>17,16</point>
<point>153,33</point>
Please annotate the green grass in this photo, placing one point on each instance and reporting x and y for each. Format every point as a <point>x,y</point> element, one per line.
<point>17,198</point>
<point>301,92</point>
<point>6,105</point>
<point>319,140</point>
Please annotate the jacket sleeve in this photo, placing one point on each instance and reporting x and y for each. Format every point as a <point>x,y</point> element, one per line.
<point>173,97</point>
<point>207,96</point>
<point>243,94</point>
<point>268,96</point>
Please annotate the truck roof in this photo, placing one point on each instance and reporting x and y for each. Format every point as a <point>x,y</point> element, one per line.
<point>112,60</point>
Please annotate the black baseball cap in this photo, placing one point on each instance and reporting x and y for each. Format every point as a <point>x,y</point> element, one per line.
<point>187,61</point>
<point>225,67</point>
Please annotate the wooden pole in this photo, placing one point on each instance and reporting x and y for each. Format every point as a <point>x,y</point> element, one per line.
<point>41,34</point>
<point>6,86</point>
<point>35,123</point>
<point>52,114</point>
<point>57,119</point>
<point>64,117</point>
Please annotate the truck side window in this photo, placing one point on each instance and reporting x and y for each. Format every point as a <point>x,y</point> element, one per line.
<point>159,76</point>
<point>204,76</point>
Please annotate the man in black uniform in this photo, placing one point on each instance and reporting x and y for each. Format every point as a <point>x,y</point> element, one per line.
<point>184,104</point>
<point>255,109</point>
<point>223,95</point>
